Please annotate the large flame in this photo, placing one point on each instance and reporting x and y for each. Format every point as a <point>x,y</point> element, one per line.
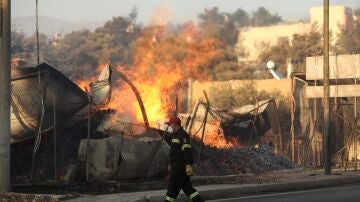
<point>163,61</point>
<point>85,82</point>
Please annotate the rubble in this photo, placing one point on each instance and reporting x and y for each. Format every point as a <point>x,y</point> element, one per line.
<point>229,161</point>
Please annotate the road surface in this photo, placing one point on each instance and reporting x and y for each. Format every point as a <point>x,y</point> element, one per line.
<point>338,194</point>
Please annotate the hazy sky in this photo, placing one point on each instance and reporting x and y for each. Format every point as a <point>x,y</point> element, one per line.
<point>180,10</point>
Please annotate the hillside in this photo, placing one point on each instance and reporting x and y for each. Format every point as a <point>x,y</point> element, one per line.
<point>50,26</point>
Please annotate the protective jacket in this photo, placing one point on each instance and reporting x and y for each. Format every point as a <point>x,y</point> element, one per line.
<point>180,156</point>
<point>180,147</point>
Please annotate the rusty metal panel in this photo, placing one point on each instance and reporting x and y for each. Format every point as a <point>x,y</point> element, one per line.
<point>26,100</point>
<point>335,91</point>
<point>341,67</point>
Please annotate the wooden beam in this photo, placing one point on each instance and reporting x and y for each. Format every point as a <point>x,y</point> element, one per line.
<point>335,91</point>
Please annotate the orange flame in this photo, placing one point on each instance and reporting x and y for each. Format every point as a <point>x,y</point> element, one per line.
<point>214,136</point>
<point>85,82</point>
<point>218,141</point>
<point>163,61</point>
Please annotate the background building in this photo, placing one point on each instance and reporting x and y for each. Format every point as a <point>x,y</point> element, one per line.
<point>255,39</point>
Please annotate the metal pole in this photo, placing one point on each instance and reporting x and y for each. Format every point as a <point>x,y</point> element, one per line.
<point>138,97</point>
<point>204,122</point>
<point>88,138</point>
<point>326,130</point>
<point>189,97</point>
<point>292,121</point>
<point>5,79</point>
<point>355,129</point>
<point>54,130</point>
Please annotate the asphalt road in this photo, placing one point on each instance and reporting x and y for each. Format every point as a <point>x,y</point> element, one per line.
<point>338,194</point>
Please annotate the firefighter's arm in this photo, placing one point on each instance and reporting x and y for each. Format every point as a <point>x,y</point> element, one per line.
<point>188,155</point>
<point>166,136</point>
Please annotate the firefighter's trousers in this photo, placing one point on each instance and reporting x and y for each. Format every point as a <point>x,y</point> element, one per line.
<point>180,180</point>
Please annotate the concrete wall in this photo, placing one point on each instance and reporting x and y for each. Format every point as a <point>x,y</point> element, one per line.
<point>257,39</point>
<point>340,67</point>
<point>267,85</point>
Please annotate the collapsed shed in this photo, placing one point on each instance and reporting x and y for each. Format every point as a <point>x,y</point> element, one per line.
<point>247,125</point>
<point>123,151</point>
<point>107,154</point>
<point>33,85</point>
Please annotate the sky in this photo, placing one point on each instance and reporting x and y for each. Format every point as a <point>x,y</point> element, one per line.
<point>177,10</point>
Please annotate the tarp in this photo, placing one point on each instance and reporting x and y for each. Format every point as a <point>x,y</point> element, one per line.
<point>122,157</point>
<point>61,96</point>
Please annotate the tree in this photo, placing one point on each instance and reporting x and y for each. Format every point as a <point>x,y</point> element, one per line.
<point>305,45</point>
<point>240,18</point>
<point>133,14</point>
<point>211,17</point>
<point>301,46</point>
<point>83,51</point>
<point>278,53</point>
<point>227,97</point>
<point>17,41</point>
<point>349,40</point>
<point>218,25</point>
<point>262,17</point>
<point>222,27</point>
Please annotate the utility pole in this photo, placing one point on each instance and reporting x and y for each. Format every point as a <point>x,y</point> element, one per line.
<point>5,79</point>
<point>326,129</point>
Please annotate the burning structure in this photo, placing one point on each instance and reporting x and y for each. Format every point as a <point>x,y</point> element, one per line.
<point>99,126</point>
<point>242,127</point>
<point>158,73</point>
<point>246,139</point>
<point>106,147</point>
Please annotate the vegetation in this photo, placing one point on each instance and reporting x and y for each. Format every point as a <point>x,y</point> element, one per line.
<point>300,47</point>
<point>79,53</point>
<point>349,42</point>
<point>262,17</point>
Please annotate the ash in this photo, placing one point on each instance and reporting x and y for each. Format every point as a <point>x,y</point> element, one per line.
<point>228,161</point>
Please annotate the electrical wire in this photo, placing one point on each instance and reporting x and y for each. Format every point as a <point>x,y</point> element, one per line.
<point>41,95</point>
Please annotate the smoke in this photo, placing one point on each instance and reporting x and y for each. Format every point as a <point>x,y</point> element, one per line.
<point>162,15</point>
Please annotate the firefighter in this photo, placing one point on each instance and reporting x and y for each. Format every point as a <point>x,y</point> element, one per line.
<point>181,160</point>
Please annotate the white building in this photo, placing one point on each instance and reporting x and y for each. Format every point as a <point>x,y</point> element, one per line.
<point>255,39</point>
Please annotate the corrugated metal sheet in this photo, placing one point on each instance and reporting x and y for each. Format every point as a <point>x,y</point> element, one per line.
<point>101,89</point>
<point>26,100</point>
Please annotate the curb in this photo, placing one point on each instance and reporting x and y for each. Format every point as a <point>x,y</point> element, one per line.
<point>263,188</point>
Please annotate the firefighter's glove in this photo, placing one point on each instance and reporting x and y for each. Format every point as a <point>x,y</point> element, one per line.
<point>189,170</point>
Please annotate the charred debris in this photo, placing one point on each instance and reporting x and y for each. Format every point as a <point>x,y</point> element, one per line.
<point>61,133</point>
